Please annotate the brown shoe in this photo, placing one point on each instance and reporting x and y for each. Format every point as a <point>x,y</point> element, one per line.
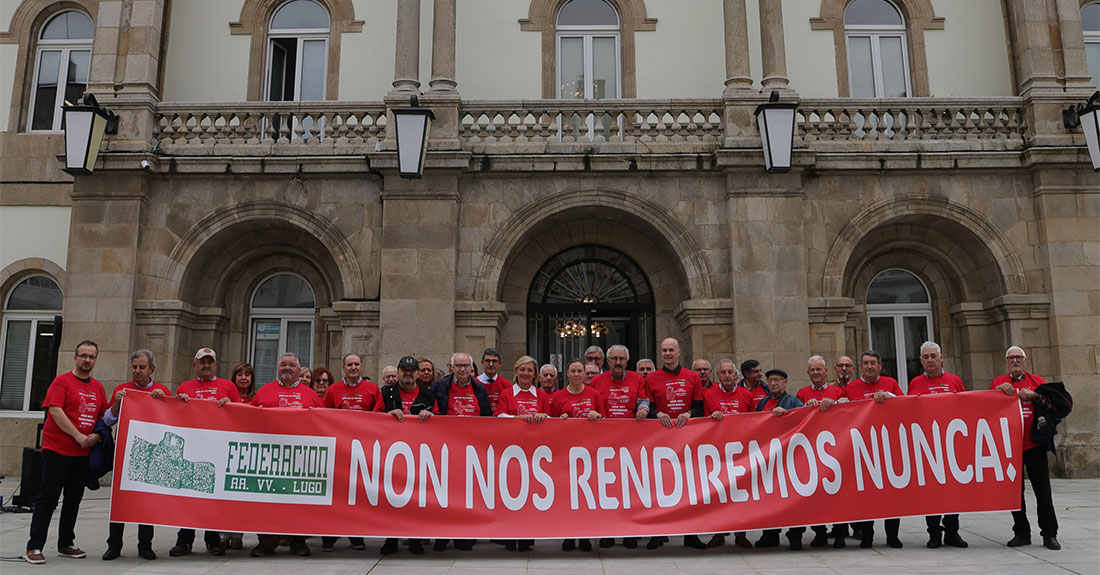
<point>742,541</point>
<point>717,540</point>
<point>261,551</point>
<point>72,552</point>
<point>299,549</point>
<point>34,557</point>
<point>179,550</point>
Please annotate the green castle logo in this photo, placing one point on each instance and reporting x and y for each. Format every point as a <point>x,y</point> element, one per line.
<point>163,465</point>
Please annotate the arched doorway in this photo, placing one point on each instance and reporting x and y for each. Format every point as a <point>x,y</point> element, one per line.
<point>281,318</point>
<point>589,295</point>
<point>899,320</point>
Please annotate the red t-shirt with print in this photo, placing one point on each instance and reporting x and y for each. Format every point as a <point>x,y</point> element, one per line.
<point>131,386</point>
<point>576,404</point>
<point>83,403</point>
<point>621,396</point>
<point>212,389</point>
<point>363,396</point>
<point>527,402</point>
<point>717,399</point>
<point>1028,381</point>
<point>462,401</point>
<point>944,383</point>
<point>830,392</point>
<point>297,397</point>
<point>673,392</point>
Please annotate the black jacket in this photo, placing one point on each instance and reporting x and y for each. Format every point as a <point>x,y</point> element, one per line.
<point>441,389</point>
<point>1052,404</point>
<point>391,397</point>
<point>102,457</point>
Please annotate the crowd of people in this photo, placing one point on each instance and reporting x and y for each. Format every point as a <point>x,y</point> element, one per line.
<point>79,416</point>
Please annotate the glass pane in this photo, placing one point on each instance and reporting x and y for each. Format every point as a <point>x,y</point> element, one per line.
<point>299,340</point>
<point>605,83</point>
<point>1090,18</point>
<point>16,352</point>
<point>535,337</point>
<point>588,13</point>
<point>265,334</point>
<point>568,337</point>
<point>76,76</point>
<point>883,341</point>
<point>872,13</point>
<point>36,293</point>
<point>68,26</point>
<point>916,333</point>
<point>41,377</point>
<point>1092,54</point>
<point>299,15</point>
<point>896,286</point>
<point>893,67</point>
<point>861,71</point>
<point>45,97</point>
<point>589,274</point>
<point>571,67</point>
<point>284,291</point>
<point>313,70</point>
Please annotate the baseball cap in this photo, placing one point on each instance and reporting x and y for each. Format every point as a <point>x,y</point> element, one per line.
<point>408,362</point>
<point>205,352</point>
<point>779,372</point>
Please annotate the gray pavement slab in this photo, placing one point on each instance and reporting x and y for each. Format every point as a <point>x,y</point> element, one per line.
<point>1077,502</point>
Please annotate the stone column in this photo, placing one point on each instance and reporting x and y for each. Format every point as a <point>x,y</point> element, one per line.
<point>419,243</point>
<point>773,54</point>
<point>1073,48</point>
<point>406,69</point>
<point>738,77</point>
<point>443,47</point>
<point>142,44</point>
<point>1037,78</point>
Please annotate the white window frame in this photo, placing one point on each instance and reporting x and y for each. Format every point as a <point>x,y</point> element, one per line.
<point>875,34</point>
<point>587,33</point>
<point>301,35</point>
<point>284,316</point>
<point>66,47</point>
<point>1092,38</point>
<point>35,317</point>
<point>900,311</point>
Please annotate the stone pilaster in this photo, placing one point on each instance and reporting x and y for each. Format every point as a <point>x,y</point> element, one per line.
<point>1074,64</point>
<point>738,77</point>
<point>773,52</point>
<point>1037,72</point>
<point>828,318</point>
<point>708,330</point>
<point>406,68</point>
<point>419,242</point>
<point>443,47</point>
<point>478,325</point>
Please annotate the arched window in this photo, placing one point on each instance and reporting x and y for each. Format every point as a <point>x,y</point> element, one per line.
<point>281,319</point>
<point>899,317</point>
<point>1090,22</point>
<point>28,331</point>
<point>61,68</point>
<point>588,50</point>
<point>297,52</point>
<point>878,62</point>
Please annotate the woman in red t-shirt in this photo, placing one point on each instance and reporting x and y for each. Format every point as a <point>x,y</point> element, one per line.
<point>322,378</point>
<point>577,400</point>
<point>244,378</point>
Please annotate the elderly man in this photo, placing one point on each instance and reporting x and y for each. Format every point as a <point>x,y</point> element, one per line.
<point>591,370</point>
<point>548,378</point>
<point>779,402</point>
<point>624,397</point>
<point>676,395</point>
<point>1021,383</point>
<point>941,529</point>
<point>645,366</point>
<point>460,394</point>
<point>720,400</point>
<point>206,386</point>
<point>594,354</point>
<point>74,403</point>
<point>822,395</point>
<point>389,376</point>
<point>845,370</point>
<point>492,380</point>
<point>702,367</point>
<point>873,385</point>
<point>753,379</point>
<point>142,365</point>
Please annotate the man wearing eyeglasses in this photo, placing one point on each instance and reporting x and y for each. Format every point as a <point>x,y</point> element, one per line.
<point>460,394</point>
<point>492,380</point>
<point>1021,383</point>
<point>594,354</point>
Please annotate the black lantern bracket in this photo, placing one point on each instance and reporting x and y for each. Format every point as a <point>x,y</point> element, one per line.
<point>111,127</point>
<point>1071,116</point>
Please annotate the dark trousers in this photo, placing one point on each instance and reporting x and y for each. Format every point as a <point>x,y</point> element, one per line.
<point>773,534</point>
<point>867,528</point>
<point>60,474</point>
<point>938,524</point>
<point>1035,462</point>
<point>329,542</point>
<point>269,541</point>
<point>145,536</point>
<point>187,537</point>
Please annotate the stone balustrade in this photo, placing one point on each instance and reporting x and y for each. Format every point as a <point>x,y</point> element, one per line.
<point>918,124</point>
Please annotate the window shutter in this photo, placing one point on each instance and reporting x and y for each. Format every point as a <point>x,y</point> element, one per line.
<point>13,381</point>
<point>313,70</point>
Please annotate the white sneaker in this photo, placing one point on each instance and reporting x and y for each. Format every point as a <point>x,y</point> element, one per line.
<point>35,557</point>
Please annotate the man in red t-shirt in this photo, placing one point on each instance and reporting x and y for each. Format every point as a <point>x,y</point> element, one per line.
<point>353,392</point>
<point>753,380</point>
<point>142,365</point>
<point>548,378</point>
<point>942,529</point>
<point>206,386</point>
<point>719,400</point>
<point>491,379</point>
<point>285,392</point>
<point>623,390</point>
<point>1018,381</point>
<point>74,403</point>
<point>821,395</point>
<point>676,395</point>
<point>873,385</point>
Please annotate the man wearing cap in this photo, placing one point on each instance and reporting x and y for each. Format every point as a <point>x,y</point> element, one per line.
<point>286,392</point>
<point>1021,383</point>
<point>73,404</point>
<point>142,365</point>
<point>406,398</point>
<point>206,386</point>
<point>779,402</point>
<point>460,394</point>
<point>548,378</point>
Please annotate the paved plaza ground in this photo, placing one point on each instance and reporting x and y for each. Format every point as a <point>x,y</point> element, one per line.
<point>1077,502</point>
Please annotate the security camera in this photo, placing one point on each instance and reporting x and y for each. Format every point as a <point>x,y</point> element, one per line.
<point>145,165</point>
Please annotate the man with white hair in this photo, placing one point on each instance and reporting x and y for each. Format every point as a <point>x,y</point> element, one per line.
<point>1018,381</point>
<point>389,375</point>
<point>548,378</point>
<point>941,529</point>
<point>702,367</point>
<point>645,366</point>
<point>594,354</point>
<point>821,395</point>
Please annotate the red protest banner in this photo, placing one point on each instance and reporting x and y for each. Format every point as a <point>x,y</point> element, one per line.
<point>331,472</point>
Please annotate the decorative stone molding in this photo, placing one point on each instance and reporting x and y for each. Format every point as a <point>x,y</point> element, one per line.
<point>918,15</point>
<point>26,21</point>
<point>830,309</point>
<point>364,314</point>
<point>180,314</point>
<point>542,17</point>
<point>1014,307</point>
<point>254,19</point>
<point>694,312</point>
<point>483,314</point>
<point>19,270</point>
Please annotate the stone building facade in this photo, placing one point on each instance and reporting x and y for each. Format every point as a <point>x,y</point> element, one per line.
<point>986,201</point>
